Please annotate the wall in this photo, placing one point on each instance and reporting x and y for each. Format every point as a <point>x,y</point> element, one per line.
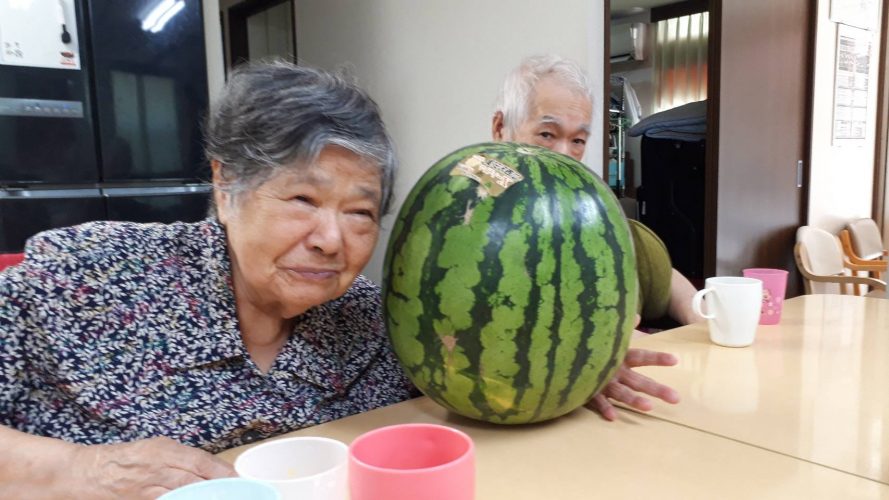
<point>435,66</point>
<point>841,177</point>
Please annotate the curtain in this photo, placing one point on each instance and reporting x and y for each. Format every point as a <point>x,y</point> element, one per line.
<point>680,60</point>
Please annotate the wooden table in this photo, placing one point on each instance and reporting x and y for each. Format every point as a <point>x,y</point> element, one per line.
<point>815,387</point>
<point>800,414</point>
<point>580,456</point>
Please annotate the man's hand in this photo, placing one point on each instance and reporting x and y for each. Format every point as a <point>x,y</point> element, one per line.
<point>626,384</point>
<point>143,469</point>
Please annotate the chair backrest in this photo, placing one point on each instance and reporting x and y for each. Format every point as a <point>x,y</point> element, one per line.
<point>866,239</point>
<point>10,259</point>
<point>822,256</point>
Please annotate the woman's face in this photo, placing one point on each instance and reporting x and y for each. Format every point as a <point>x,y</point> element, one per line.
<point>301,238</point>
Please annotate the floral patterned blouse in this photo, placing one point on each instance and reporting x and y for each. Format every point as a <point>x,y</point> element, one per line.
<point>113,331</point>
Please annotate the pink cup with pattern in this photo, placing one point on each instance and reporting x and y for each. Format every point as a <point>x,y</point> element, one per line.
<point>774,284</point>
<point>412,462</point>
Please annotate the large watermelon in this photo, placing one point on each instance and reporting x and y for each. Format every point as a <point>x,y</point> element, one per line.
<point>510,283</point>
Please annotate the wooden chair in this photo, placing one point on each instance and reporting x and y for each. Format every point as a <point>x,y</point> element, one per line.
<point>863,245</point>
<point>819,258</point>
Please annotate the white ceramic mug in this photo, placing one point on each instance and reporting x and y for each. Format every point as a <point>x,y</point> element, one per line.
<point>733,307</point>
<point>300,468</point>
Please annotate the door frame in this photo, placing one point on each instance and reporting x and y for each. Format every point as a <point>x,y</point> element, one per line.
<point>711,159</point>
<point>880,210</point>
<point>711,164</point>
<point>237,26</point>
<point>711,155</point>
<point>606,87</point>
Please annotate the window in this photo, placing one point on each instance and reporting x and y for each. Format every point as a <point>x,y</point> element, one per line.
<point>680,60</point>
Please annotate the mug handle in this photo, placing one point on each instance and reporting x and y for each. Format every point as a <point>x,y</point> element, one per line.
<point>696,303</point>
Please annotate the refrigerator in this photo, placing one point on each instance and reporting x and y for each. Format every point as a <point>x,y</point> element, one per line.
<point>101,109</point>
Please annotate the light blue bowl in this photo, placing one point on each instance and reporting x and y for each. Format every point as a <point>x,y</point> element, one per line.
<point>231,488</point>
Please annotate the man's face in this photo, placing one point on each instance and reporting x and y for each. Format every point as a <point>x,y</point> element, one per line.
<point>558,119</point>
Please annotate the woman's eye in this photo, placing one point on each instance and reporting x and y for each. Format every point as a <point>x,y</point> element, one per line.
<point>366,213</point>
<point>302,199</point>
<point>582,142</point>
<point>546,135</point>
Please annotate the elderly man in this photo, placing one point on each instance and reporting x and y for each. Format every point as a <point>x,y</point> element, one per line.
<point>547,101</point>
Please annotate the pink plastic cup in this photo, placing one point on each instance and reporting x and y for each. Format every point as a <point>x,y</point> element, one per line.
<point>412,462</point>
<point>774,284</point>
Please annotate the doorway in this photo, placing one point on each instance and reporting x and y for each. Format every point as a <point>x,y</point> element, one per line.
<point>758,129</point>
<point>258,29</point>
<point>657,121</point>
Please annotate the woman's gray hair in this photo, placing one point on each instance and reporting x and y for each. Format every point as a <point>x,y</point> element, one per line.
<point>275,114</point>
<point>518,87</point>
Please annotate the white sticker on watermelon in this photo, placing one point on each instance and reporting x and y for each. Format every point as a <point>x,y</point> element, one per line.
<point>493,176</point>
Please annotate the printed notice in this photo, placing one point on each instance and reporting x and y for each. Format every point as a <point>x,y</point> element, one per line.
<point>851,86</point>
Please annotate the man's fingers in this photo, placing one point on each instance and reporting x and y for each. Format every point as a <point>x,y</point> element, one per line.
<point>638,382</point>
<point>644,357</point>
<point>625,395</point>
<point>601,405</point>
<point>627,386</point>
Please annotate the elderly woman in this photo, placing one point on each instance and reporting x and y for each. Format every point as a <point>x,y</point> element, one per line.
<point>214,334</point>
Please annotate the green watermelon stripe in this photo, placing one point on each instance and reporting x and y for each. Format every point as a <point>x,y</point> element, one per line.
<point>436,200</point>
<point>626,287</point>
<point>485,310</point>
<point>418,194</point>
<point>524,341</point>
<point>555,328</point>
<point>400,231</point>
<point>573,290</point>
<point>457,276</point>
<point>429,295</point>
<point>545,309</point>
<point>593,298</point>
<point>590,297</point>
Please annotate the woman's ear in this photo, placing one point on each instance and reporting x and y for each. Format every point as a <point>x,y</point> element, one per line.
<point>497,126</point>
<point>220,196</point>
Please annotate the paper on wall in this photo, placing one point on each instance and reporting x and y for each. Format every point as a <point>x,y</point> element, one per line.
<point>39,33</point>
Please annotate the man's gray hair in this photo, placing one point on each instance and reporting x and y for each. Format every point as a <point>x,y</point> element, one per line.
<point>518,87</point>
<point>274,115</point>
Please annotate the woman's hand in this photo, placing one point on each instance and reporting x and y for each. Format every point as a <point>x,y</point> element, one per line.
<point>142,469</point>
<point>625,385</point>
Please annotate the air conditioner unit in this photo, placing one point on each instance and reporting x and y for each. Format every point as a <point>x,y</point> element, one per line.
<point>627,42</point>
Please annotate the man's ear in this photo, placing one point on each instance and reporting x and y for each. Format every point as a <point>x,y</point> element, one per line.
<point>497,126</point>
<point>220,196</point>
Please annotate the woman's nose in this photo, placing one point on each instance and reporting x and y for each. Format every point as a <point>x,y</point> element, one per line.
<point>326,237</point>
